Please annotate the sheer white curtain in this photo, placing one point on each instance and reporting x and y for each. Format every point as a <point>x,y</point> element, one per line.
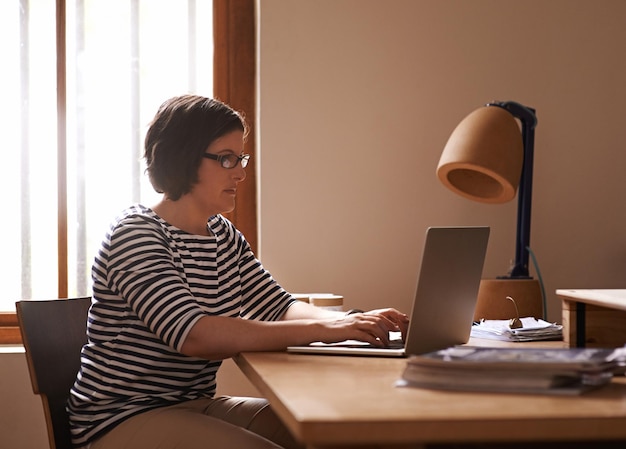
<point>124,57</point>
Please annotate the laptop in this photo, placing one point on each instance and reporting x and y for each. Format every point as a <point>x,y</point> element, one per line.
<point>445,297</point>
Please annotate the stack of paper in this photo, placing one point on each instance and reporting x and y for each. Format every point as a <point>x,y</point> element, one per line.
<point>517,370</point>
<point>532,329</point>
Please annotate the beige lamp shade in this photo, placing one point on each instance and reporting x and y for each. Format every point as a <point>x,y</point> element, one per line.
<point>483,158</point>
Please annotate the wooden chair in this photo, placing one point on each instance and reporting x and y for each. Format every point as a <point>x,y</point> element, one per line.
<point>53,333</point>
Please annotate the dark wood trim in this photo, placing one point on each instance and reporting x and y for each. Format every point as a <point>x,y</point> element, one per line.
<point>61,148</point>
<point>234,68</point>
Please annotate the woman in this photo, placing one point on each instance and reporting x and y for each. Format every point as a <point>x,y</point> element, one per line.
<point>177,289</point>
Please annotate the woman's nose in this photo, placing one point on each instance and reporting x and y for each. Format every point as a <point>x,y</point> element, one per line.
<point>240,173</point>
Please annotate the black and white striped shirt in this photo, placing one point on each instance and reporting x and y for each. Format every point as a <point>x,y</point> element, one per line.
<point>151,283</point>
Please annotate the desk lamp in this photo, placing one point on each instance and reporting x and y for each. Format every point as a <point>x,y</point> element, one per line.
<point>486,159</point>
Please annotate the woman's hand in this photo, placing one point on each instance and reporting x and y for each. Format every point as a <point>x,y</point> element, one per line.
<point>372,327</point>
<point>400,320</point>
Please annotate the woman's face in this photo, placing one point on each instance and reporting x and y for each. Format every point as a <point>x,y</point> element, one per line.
<point>216,188</point>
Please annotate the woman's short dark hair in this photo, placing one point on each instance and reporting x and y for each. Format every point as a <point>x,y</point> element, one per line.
<point>178,136</point>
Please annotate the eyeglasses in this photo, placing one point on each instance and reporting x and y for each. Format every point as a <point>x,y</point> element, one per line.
<point>229,160</point>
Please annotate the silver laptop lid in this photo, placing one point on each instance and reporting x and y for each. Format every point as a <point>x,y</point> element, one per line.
<point>447,288</point>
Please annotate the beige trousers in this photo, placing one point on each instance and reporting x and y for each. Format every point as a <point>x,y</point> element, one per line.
<point>222,422</point>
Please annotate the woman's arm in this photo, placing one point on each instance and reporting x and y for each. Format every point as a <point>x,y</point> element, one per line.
<point>214,337</point>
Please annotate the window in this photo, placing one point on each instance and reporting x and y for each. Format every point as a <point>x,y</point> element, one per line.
<point>77,115</point>
<point>29,181</point>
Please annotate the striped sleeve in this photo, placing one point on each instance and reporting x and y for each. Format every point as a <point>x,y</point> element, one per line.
<point>142,268</point>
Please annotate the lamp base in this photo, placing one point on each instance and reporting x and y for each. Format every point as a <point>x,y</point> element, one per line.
<point>493,305</point>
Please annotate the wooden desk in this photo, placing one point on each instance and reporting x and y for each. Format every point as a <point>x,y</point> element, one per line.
<point>594,318</point>
<point>335,401</point>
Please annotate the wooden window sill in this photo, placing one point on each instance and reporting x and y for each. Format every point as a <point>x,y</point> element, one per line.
<point>9,329</point>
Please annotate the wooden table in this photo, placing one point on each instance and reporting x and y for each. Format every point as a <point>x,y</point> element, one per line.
<point>342,401</point>
<point>594,318</point>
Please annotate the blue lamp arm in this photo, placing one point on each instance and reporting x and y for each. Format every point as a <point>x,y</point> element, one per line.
<point>528,120</point>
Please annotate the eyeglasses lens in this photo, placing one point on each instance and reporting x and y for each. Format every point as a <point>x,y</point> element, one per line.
<point>231,160</point>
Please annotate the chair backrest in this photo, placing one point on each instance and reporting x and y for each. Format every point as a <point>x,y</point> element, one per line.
<point>53,333</point>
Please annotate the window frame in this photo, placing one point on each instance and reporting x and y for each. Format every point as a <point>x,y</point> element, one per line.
<point>234,82</point>
<point>234,75</point>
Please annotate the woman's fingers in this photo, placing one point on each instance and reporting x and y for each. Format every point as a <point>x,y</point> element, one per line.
<point>399,321</point>
<point>375,326</point>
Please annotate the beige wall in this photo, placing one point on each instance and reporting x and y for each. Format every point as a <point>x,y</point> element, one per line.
<point>22,424</point>
<point>358,98</point>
